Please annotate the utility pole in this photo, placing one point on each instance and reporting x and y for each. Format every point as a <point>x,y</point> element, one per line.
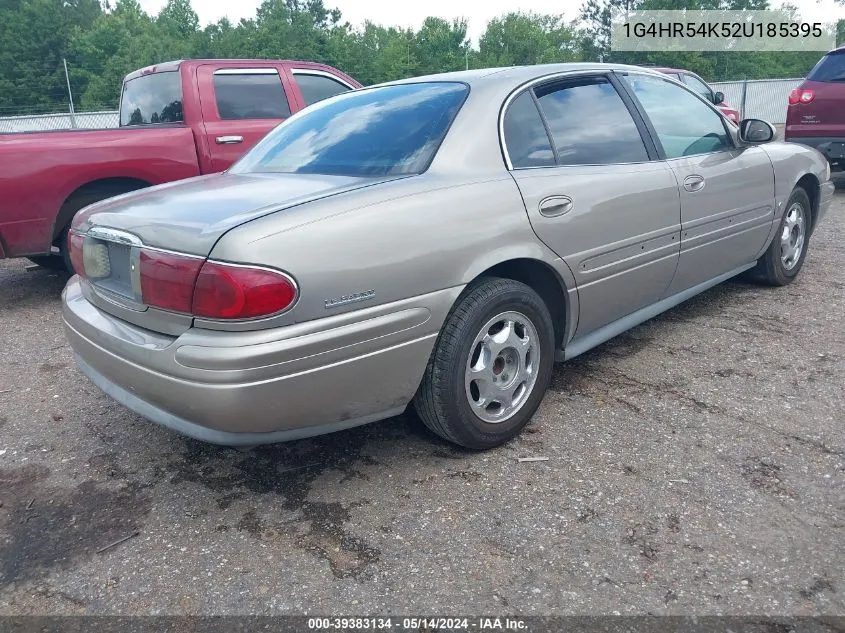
<point>69,96</point>
<point>466,56</point>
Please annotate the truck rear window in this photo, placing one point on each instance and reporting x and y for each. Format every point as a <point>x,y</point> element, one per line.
<point>151,99</point>
<point>831,67</point>
<point>392,130</point>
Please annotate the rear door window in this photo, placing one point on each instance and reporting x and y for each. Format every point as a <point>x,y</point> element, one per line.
<point>526,139</point>
<point>831,67</point>
<point>243,93</point>
<point>151,99</point>
<point>316,87</point>
<point>589,123</point>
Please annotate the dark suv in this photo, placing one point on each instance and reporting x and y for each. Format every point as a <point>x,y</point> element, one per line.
<point>816,112</point>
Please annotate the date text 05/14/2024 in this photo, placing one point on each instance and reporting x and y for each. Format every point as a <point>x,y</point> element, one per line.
<point>417,624</point>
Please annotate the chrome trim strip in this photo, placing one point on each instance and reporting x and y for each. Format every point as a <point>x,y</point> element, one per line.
<point>113,235</point>
<point>169,252</point>
<point>247,71</point>
<point>321,73</point>
<point>128,239</point>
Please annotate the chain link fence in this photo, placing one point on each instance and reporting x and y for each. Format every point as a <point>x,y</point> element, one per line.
<point>47,122</point>
<point>765,99</point>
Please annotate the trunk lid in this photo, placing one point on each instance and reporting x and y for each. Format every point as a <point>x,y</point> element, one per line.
<point>187,218</point>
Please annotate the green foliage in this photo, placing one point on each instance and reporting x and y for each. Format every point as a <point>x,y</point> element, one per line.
<point>34,37</point>
<point>527,38</point>
<point>104,42</point>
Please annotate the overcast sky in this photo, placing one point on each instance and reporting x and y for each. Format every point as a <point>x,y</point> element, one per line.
<point>408,13</point>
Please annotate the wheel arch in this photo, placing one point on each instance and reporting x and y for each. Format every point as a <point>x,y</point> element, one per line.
<point>114,186</point>
<point>810,183</point>
<point>546,282</point>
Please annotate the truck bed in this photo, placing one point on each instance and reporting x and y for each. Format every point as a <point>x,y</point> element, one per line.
<point>41,170</point>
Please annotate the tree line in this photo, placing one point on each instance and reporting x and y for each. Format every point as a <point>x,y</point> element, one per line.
<point>102,42</point>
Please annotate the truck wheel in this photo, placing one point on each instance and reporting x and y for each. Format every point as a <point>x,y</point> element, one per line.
<point>490,367</point>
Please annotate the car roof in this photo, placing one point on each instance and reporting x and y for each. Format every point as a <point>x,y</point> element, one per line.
<point>516,75</point>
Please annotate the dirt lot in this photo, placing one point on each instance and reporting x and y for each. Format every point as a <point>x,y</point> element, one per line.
<point>696,465</point>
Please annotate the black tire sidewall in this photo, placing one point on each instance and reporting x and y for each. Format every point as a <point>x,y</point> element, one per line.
<point>469,429</point>
<point>776,268</point>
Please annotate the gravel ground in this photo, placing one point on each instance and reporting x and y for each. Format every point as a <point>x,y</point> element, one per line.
<point>696,465</point>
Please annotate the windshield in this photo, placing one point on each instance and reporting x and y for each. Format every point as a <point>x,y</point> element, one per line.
<point>393,130</point>
<point>149,99</point>
<point>831,67</point>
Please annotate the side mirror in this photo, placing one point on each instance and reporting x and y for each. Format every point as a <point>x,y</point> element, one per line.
<point>718,98</point>
<point>756,131</point>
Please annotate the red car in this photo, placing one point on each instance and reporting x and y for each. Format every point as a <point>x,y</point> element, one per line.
<point>697,84</point>
<point>815,115</point>
<point>177,120</point>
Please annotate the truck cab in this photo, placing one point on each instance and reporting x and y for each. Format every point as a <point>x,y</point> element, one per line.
<point>178,120</point>
<point>229,104</point>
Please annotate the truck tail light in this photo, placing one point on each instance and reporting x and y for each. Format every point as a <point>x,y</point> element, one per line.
<point>74,244</point>
<point>226,291</point>
<point>800,95</point>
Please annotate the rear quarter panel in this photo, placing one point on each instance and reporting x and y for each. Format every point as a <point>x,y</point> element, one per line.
<point>400,239</point>
<point>42,170</point>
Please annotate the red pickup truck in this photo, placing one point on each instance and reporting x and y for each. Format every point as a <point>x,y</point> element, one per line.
<point>177,120</point>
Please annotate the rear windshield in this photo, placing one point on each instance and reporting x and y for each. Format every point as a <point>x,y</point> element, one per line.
<point>831,67</point>
<point>150,99</point>
<point>376,132</point>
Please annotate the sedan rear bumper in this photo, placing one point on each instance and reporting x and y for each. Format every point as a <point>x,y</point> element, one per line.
<point>246,388</point>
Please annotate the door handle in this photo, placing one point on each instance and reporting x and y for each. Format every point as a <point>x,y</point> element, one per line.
<point>555,205</point>
<point>229,140</point>
<point>694,183</point>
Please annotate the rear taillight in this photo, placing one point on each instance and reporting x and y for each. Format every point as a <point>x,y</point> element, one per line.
<point>226,291</point>
<point>212,290</point>
<point>167,280</point>
<point>74,244</point>
<point>192,285</point>
<point>800,95</point>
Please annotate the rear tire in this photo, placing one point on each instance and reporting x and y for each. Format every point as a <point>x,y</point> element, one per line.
<point>785,256</point>
<point>490,367</point>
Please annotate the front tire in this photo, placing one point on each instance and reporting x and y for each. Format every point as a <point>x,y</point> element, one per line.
<point>785,256</point>
<point>490,367</point>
